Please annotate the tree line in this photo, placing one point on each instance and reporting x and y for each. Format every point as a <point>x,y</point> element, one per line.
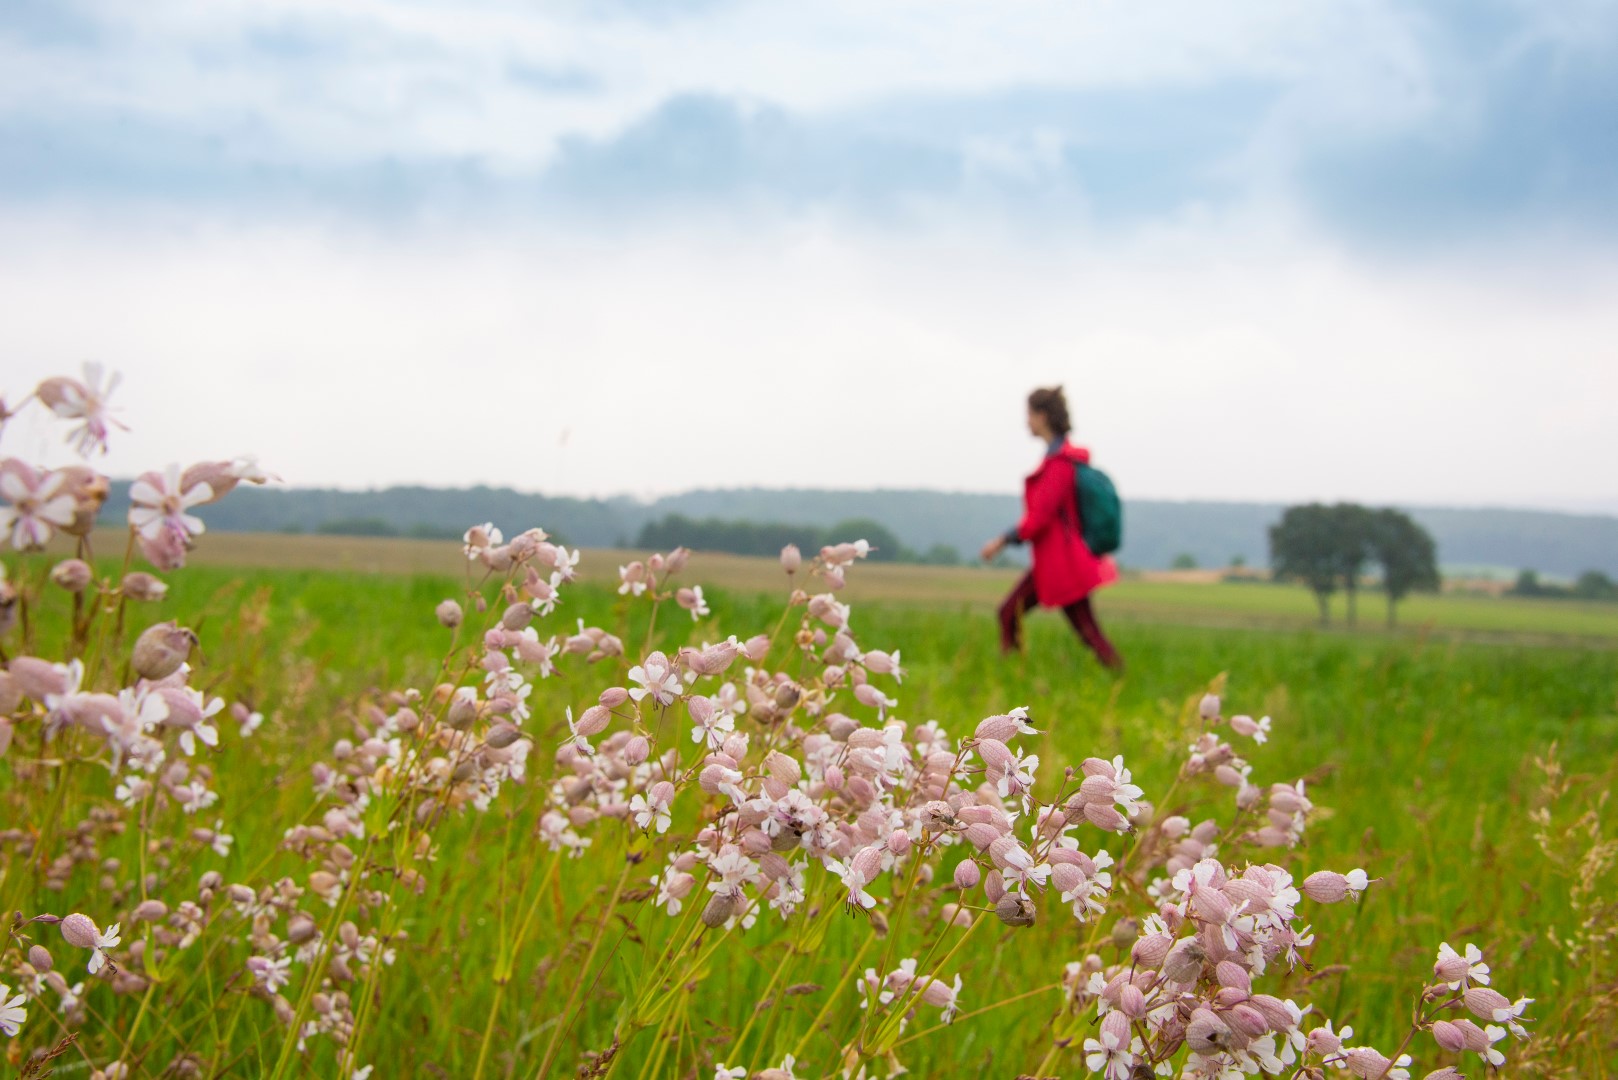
<point>1330,548</point>
<point>768,538</point>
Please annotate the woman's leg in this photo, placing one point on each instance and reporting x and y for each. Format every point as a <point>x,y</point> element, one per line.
<point>1083,618</point>
<point>1022,599</point>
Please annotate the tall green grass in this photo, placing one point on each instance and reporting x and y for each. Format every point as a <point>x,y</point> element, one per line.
<point>1418,751</point>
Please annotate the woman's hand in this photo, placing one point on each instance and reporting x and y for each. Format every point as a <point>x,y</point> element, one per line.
<point>992,549</point>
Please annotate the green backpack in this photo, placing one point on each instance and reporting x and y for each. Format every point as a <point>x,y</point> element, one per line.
<point>1101,514</point>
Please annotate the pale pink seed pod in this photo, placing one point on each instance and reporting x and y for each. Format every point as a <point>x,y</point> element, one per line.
<point>994,886</point>
<point>79,932</point>
<point>1098,788</point>
<point>756,647</point>
<point>1233,975</point>
<point>40,958</point>
<point>1248,796</point>
<point>656,563</point>
<point>835,778</point>
<point>151,911</point>
<point>756,842</point>
<point>1365,1062</point>
<point>899,842</point>
<point>675,560</point>
<point>995,754</point>
<point>1484,1003</point>
<point>1246,1020</point>
<point>1327,887</point>
<point>1106,817</point>
<point>938,993</point>
<point>1132,1003</point>
<point>967,874</point>
<point>1275,1011</point>
<point>143,587</point>
<point>1151,950</point>
<point>1449,1037</point>
<point>37,678</point>
<point>517,616</point>
<point>1183,964</point>
<point>1208,707</point>
<point>1448,1072</point>
<point>721,906</point>
<point>301,928</point>
<point>1229,776</point>
<point>783,768</point>
<point>1323,1044</point>
<point>593,721</point>
<point>1451,968</point>
<point>636,750</point>
<point>502,735</point>
<point>1244,725</point>
<point>1014,910</point>
<point>999,728</point>
<point>955,915</point>
<point>1206,1033</point>
<point>612,697</point>
<point>1066,877</point>
<point>981,835</point>
<point>449,613</point>
<point>1116,1025</point>
<point>72,574</point>
<point>867,862</point>
<point>1094,766</point>
<point>1475,1038</point>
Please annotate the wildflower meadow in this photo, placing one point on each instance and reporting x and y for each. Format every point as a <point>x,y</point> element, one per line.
<point>556,819</point>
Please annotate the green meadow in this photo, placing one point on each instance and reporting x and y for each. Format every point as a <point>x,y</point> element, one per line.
<point>1419,748</point>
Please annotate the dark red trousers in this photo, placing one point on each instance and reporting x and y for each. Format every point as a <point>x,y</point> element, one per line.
<point>1079,613</point>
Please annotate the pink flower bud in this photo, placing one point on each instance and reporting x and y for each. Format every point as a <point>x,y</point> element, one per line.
<point>39,958</point>
<point>1093,766</point>
<point>150,911</point>
<point>161,649</point>
<point>72,574</point>
<point>637,749</point>
<point>994,886</point>
<point>612,697</point>
<point>1131,1003</point>
<point>1449,1037</point>
<point>449,613</point>
<point>143,587</point>
<point>899,842</point>
<point>1208,707</point>
<point>967,874</point>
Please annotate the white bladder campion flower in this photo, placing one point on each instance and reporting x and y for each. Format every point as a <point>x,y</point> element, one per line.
<point>81,932</point>
<point>12,1013</point>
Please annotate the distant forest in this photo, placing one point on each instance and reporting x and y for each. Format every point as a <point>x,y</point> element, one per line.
<point>922,525</point>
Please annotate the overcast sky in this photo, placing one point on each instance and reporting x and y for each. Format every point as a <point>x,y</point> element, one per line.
<point>1274,250</point>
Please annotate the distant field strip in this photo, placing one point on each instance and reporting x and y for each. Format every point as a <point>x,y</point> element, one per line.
<point>1483,618</point>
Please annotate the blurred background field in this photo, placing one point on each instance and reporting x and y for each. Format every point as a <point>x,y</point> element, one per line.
<point>1194,599</point>
<point>1419,747</point>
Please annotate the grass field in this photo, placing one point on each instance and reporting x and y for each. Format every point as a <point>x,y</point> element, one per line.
<point>1419,748</point>
<point>1419,745</point>
<point>1286,607</point>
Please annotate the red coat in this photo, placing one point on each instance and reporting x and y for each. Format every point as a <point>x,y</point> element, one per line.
<point>1064,569</point>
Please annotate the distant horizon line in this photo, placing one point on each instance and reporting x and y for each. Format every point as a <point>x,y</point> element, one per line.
<point>1598,508</point>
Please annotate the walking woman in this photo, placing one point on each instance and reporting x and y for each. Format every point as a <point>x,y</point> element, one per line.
<point>1064,572</point>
